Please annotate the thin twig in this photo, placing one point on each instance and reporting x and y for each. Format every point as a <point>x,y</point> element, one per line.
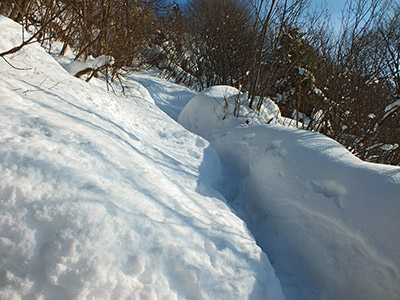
<point>20,69</point>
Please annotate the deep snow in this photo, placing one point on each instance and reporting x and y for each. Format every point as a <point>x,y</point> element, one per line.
<point>328,221</point>
<point>106,197</point>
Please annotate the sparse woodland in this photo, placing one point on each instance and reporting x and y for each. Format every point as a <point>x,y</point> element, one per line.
<point>342,80</point>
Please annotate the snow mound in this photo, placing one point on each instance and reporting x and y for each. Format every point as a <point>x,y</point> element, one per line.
<point>209,110</point>
<point>219,92</point>
<point>91,63</point>
<point>106,197</point>
<point>328,221</point>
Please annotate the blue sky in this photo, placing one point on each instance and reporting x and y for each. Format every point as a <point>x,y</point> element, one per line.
<point>335,5</point>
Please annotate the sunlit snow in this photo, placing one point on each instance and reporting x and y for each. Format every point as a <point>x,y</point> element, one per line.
<point>108,197</point>
<point>328,221</point>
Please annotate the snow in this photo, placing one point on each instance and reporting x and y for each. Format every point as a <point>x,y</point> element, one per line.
<point>391,107</point>
<point>77,66</point>
<point>170,98</point>
<point>208,109</point>
<point>106,197</point>
<point>328,222</point>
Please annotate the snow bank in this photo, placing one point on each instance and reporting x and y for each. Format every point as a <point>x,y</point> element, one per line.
<point>209,110</point>
<point>170,97</point>
<point>105,197</point>
<point>328,221</point>
<point>92,63</point>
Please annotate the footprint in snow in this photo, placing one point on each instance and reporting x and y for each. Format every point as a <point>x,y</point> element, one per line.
<point>34,124</point>
<point>275,146</point>
<point>330,189</point>
<point>194,154</point>
<point>200,143</point>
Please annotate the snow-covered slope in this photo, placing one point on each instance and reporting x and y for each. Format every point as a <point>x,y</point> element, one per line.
<point>328,221</point>
<point>106,197</point>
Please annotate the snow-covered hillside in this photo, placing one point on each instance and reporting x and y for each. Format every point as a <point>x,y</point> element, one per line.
<point>106,197</point>
<point>328,221</point>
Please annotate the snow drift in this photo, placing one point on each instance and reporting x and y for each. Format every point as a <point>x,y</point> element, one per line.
<point>106,197</point>
<point>328,221</point>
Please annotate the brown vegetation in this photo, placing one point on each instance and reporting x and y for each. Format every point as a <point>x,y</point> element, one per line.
<point>343,83</point>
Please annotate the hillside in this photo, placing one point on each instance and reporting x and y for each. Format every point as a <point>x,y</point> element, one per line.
<point>107,196</point>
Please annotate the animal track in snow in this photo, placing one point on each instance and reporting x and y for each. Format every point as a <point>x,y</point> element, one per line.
<point>330,189</point>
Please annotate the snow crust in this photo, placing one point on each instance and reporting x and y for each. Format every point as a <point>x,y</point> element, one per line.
<point>328,222</point>
<point>106,197</point>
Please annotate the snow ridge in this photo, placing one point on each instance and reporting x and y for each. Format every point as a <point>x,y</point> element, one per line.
<point>327,221</point>
<point>106,197</point>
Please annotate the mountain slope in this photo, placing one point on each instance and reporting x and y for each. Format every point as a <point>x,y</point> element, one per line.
<point>106,197</point>
<point>328,221</point>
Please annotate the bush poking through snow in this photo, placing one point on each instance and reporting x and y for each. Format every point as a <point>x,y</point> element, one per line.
<point>91,67</point>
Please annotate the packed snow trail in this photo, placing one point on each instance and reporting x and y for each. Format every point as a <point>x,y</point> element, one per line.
<point>328,221</point>
<point>106,197</point>
<point>170,97</point>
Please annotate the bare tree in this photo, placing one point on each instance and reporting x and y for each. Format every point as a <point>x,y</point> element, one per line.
<point>271,17</point>
<point>52,13</point>
<point>225,35</point>
<point>359,83</point>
